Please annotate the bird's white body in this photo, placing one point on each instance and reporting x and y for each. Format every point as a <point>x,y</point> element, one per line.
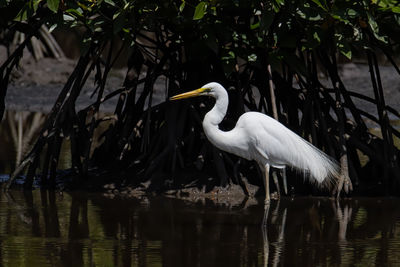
<point>259,137</point>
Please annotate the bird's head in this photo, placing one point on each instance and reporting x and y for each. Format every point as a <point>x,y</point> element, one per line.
<point>210,89</point>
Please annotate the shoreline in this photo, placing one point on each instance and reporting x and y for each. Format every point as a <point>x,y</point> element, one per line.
<point>36,85</point>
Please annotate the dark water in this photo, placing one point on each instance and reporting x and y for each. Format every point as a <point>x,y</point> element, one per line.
<point>80,229</point>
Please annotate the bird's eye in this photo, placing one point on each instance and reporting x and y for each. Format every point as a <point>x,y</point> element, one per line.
<point>206,91</point>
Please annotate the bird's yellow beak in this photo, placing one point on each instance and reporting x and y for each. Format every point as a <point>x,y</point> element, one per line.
<point>193,93</point>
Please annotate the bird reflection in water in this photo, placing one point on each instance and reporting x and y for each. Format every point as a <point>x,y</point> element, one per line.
<point>279,243</point>
<point>274,223</point>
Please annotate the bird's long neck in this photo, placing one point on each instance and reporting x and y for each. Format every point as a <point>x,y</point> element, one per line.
<point>215,117</point>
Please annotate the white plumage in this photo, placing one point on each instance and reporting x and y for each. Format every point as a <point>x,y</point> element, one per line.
<point>259,137</point>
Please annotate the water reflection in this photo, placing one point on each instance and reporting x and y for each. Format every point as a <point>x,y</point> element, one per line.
<point>18,131</point>
<point>43,228</point>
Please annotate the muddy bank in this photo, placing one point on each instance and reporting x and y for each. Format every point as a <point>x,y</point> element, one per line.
<point>356,78</point>
<point>232,195</point>
<point>36,85</point>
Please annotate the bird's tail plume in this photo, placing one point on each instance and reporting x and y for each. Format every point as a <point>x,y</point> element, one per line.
<point>322,169</point>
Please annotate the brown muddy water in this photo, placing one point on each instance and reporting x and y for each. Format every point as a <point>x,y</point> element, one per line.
<point>43,228</point>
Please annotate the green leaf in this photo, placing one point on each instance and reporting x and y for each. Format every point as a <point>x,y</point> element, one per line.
<point>74,12</point>
<point>252,58</point>
<point>344,15</point>
<point>255,26</point>
<point>116,15</point>
<point>343,45</point>
<point>53,27</point>
<point>182,6</point>
<point>308,13</point>
<point>27,10</point>
<point>200,11</point>
<point>53,5</point>
<point>351,13</point>
<point>396,9</point>
<point>316,37</point>
<point>22,15</point>
<point>397,19</point>
<point>345,50</point>
<point>110,2</point>
<point>119,22</point>
<point>375,28</point>
<point>229,56</point>
<point>319,4</point>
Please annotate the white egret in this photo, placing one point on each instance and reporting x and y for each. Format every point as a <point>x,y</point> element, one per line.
<point>259,137</point>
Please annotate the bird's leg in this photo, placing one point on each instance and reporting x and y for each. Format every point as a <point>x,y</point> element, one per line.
<point>266,183</point>
<point>275,177</point>
<point>265,217</point>
<point>283,172</point>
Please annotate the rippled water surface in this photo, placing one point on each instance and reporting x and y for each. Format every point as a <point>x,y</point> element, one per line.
<point>80,229</point>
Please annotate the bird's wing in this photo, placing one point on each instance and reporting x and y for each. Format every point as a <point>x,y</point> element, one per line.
<point>263,138</point>
<point>279,146</point>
